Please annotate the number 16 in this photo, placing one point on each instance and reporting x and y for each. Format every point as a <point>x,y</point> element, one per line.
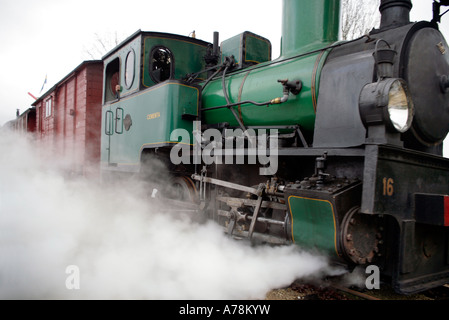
<point>388,189</point>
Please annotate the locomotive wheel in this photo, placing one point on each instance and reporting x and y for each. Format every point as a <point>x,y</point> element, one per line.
<point>360,236</point>
<point>182,189</point>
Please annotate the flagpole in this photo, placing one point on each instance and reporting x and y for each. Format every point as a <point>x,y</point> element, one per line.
<point>32,96</point>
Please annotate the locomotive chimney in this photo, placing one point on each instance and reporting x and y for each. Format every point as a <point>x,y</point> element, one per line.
<point>309,24</point>
<point>394,13</point>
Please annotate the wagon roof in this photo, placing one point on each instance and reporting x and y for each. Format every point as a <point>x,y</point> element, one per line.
<point>69,75</point>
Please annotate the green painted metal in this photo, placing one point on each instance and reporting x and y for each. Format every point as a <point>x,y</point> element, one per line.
<point>155,113</point>
<point>188,55</point>
<point>260,84</point>
<point>309,24</point>
<point>247,48</point>
<point>313,224</point>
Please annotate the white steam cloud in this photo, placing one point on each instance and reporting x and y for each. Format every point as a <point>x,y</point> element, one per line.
<point>122,246</point>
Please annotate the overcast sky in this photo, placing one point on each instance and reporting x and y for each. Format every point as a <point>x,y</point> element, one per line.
<point>50,37</point>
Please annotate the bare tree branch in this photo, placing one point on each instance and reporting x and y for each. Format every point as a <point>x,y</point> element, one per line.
<point>101,44</point>
<point>358,17</point>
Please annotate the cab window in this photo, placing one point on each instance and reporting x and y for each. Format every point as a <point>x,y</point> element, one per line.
<point>161,64</point>
<point>112,79</point>
<point>129,69</point>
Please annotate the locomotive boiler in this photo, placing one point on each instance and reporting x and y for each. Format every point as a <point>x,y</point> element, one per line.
<point>335,146</point>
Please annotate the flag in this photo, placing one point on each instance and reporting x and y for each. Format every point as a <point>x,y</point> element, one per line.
<point>45,82</point>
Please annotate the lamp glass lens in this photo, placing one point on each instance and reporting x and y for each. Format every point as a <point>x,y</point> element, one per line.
<point>399,107</point>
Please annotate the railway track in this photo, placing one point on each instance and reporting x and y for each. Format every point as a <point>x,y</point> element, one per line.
<point>334,291</point>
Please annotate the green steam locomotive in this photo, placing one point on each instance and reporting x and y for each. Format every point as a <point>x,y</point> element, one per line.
<point>335,146</point>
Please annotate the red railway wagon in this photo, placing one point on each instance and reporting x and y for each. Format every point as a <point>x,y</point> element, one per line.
<point>68,119</point>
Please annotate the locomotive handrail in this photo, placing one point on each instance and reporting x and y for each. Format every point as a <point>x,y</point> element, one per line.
<point>108,127</point>
<point>384,59</point>
<point>226,184</point>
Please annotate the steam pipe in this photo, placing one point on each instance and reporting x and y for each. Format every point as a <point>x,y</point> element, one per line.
<point>307,24</point>
<point>216,48</point>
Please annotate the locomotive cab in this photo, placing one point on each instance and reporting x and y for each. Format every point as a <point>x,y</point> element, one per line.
<point>146,59</point>
<point>145,97</point>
